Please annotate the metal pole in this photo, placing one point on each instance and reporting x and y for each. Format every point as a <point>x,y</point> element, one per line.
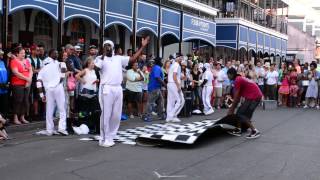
<point>159,29</point>
<point>181,29</point>
<point>277,15</point>
<point>102,24</point>
<point>5,24</point>
<point>134,29</point>
<point>60,24</point>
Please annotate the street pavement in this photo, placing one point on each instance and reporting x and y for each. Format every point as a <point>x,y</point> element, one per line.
<point>288,149</point>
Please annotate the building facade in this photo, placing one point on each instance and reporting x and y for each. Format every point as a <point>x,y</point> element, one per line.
<point>240,29</point>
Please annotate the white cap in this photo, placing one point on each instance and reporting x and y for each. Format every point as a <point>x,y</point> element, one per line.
<point>108,42</point>
<point>77,48</point>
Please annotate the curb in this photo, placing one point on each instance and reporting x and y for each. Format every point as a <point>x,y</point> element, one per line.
<point>25,127</point>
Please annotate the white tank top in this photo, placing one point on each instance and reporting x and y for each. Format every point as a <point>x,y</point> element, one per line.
<point>90,77</point>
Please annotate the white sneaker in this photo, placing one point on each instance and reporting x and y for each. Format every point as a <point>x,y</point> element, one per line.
<point>318,107</point>
<point>55,132</point>
<point>305,107</point>
<point>44,133</point>
<point>106,144</point>
<point>176,120</point>
<point>209,112</point>
<point>196,111</point>
<point>63,132</point>
<point>131,116</point>
<point>154,113</point>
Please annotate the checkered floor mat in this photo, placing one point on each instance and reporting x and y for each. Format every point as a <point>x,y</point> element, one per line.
<point>180,133</point>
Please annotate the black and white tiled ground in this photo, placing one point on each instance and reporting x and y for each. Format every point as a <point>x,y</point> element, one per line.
<point>180,133</point>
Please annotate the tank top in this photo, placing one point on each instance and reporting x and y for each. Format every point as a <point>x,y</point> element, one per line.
<point>90,77</point>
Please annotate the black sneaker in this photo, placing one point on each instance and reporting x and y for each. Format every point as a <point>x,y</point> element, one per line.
<point>254,134</point>
<point>235,132</point>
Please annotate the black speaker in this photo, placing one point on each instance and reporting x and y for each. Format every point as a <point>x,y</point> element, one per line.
<point>187,108</point>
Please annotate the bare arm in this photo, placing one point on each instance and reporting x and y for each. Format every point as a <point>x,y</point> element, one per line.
<point>80,75</point>
<point>144,42</point>
<point>235,103</point>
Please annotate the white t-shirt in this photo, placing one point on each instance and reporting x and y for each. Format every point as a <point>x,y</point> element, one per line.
<point>131,84</point>
<point>90,77</point>
<point>260,75</point>
<point>111,69</point>
<point>51,74</point>
<point>272,77</point>
<point>174,68</point>
<point>208,76</point>
<point>220,78</point>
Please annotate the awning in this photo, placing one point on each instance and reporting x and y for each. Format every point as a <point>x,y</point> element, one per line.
<point>119,12</point>
<point>227,35</point>
<point>195,28</point>
<point>170,22</point>
<point>252,43</point>
<point>147,17</point>
<point>50,7</point>
<point>260,43</point>
<point>273,45</point>
<point>266,48</point>
<point>243,37</point>
<point>82,9</point>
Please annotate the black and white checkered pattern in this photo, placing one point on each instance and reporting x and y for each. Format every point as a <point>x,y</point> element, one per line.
<point>180,133</point>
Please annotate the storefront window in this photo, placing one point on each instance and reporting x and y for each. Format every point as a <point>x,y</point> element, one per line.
<point>43,30</point>
<point>78,31</point>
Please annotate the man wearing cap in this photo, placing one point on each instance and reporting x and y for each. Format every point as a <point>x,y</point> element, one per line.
<point>156,81</point>
<point>175,99</point>
<point>110,90</point>
<point>73,62</point>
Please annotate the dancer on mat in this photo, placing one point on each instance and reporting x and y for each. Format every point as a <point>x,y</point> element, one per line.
<point>207,89</point>
<point>51,77</point>
<point>110,93</point>
<point>175,99</point>
<point>250,91</point>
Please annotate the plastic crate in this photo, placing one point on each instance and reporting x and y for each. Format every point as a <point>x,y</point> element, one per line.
<point>270,104</point>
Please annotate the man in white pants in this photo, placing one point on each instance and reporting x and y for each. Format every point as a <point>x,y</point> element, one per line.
<point>51,77</point>
<point>175,99</point>
<point>207,79</point>
<point>110,91</point>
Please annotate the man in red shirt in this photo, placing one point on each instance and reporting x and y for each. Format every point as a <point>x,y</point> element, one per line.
<point>248,90</point>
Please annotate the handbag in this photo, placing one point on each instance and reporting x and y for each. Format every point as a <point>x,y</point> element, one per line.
<point>71,83</point>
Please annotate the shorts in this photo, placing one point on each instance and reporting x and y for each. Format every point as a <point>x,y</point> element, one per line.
<point>218,92</point>
<point>247,108</point>
<point>226,90</point>
<point>133,97</point>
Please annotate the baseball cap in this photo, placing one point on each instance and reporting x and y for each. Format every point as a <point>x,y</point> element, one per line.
<point>77,48</point>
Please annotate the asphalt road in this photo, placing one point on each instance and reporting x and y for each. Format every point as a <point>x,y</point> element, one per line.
<point>289,148</point>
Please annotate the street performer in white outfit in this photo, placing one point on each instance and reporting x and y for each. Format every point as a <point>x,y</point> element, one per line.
<point>110,91</point>
<point>175,99</point>
<point>207,89</point>
<point>51,77</point>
